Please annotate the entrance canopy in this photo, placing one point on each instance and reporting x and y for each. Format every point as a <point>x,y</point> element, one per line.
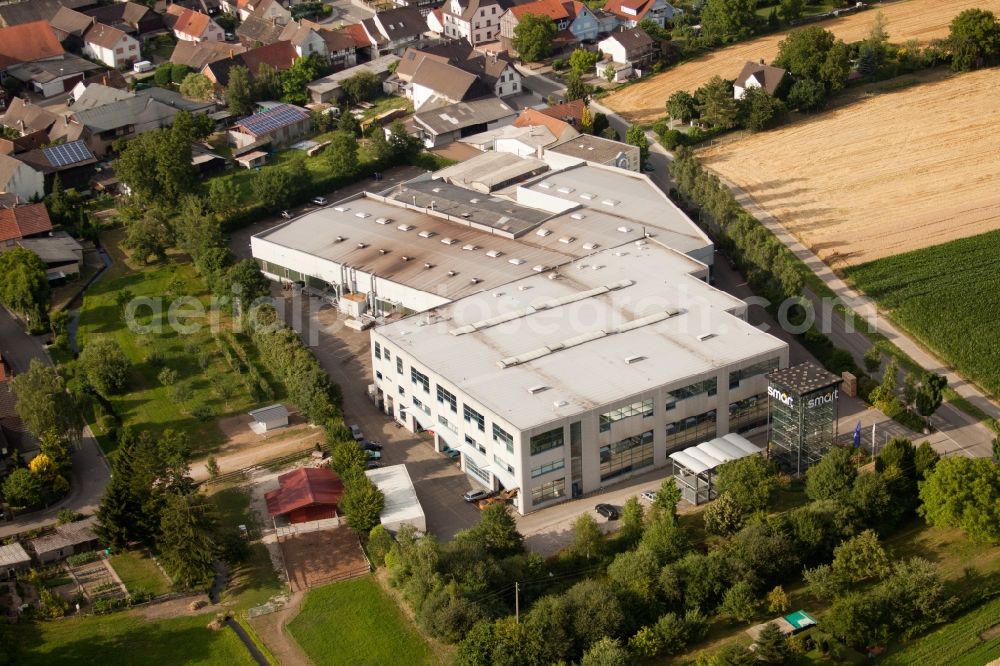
<point>694,467</point>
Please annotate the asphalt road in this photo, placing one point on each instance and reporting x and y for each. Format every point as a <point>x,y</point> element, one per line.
<point>90,469</point>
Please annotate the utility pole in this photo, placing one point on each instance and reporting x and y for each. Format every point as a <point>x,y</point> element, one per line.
<point>517,602</point>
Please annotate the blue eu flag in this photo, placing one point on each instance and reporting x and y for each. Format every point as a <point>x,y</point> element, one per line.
<point>857,435</point>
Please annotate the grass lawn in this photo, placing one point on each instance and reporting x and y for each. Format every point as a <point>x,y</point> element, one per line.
<point>139,572</point>
<point>253,581</point>
<point>970,640</point>
<point>122,638</point>
<point>145,400</point>
<point>354,622</point>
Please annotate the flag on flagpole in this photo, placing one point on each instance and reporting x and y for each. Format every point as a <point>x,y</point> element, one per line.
<point>857,435</point>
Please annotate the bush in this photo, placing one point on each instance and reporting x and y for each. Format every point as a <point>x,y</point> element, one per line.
<point>672,138</point>
<point>83,558</point>
<point>203,412</point>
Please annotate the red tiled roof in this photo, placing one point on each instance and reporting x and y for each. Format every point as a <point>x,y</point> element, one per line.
<point>554,9</point>
<point>189,22</point>
<point>280,55</point>
<point>357,31</point>
<point>572,110</point>
<point>27,42</point>
<point>639,6</point>
<point>531,117</point>
<point>23,221</point>
<point>303,488</point>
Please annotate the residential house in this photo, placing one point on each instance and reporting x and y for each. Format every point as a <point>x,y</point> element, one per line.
<point>96,94</point>
<point>69,26</point>
<point>560,129</point>
<point>392,30</point>
<point>65,540</point>
<point>20,179</point>
<point>628,51</point>
<point>29,11</point>
<point>115,48</point>
<point>520,141</point>
<point>444,125</point>
<point>72,162</point>
<point>435,84</point>
<point>279,126</point>
<point>264,9</point>
<point>365,48</point>
<point>631,12</point>
<point>425,7</point>
<point>256,31</point>
<point>594,149</point>
<point>568,112</point>
<point>60,252</point>
<point>571,17</point>
<point>198,54</point>
<point>341,48</point>
<point>52,77</point>
<point>494,70</point>
<point>28,42</point>
<point>758,75</point>
<point>280,56</point>
<point>107,77</point>
<point>477,21</point>
<point>193,26</point>
<point>26,118</point>
<point>435,21</point>
<point>327,89</point>
<point>305,37</point>
<point>135,19</point>
<point>14,559</point>
<point>22,144</point>
<point>18,223</point>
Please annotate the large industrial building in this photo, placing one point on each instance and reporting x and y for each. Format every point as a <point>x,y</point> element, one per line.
<point>554,326</point>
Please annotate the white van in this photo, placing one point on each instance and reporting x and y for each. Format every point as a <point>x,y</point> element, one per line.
<point>142,66</point>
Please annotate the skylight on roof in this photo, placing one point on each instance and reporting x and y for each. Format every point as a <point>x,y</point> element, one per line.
<point>405,227</point>
<point>493,254</point>
<point>383,220</point>
<point>515,261</point>
<point>577,216</point>
<point>470,247</point>
<point>425,234</point>
<point>362,215</point>
<point>543,232</point>
<point>587,195</point>
<point>448,241</point>
<point>566,190</point>
<point>566,240</point>
<point>610,202</point>
<point>545,185</point>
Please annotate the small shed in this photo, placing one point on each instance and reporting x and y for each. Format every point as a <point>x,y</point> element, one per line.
<point>788,624</point>
<point>13,559</point>
<point>270,418</point>
<point>694,467</point>
<point>66,540</point>
<point>401,503</point>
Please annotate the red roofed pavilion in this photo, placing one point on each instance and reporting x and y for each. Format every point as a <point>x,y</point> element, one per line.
<point>306,494</point>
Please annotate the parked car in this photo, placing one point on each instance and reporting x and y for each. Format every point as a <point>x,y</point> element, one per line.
<point>372,464</point>
<point>608,511</point>
<point>356,433</point>
<point>285,214</point>
<point>476,495</point>
<point>369,445</point>
<point>374,455</point>
<point>451,453</point>
<point>319,201</point>
<point>649,496</point>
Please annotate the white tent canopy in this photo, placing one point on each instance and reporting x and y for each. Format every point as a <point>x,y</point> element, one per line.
<point>695,465</point>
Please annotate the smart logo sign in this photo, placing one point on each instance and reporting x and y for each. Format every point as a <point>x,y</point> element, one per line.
<point>811,403</point>
<point>824,399</point>
<point>781,396</point>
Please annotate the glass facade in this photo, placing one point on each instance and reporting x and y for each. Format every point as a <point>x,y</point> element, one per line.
<point>643,407</point>
<point>548,491</point>
<point>472,416</point>
<point>748,414</point>
<point>692,430</point>
<point>548,467</point>
<point>546,441</point>
<point>501,436</point>
<point>803,429</point>
<point>477,471</point>
<point>446,397</point>
<point>761,368</point>
<point>709,386</point>
<point>629,454</point>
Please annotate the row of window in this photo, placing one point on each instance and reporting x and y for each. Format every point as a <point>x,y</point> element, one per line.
<point>629,454</point>
<point>420,379</point>
<point>501,436</point>
<point>480,473</point>
<point>761,368</point>
<point>548,491</point>
<point>472,416</point>
<point>709,386</point>
<point>503,464</point>
<point>474,444</point>
<point>643,407</point>
<point>548,467</point>
<point>694,429</point>
<point>546,441</point>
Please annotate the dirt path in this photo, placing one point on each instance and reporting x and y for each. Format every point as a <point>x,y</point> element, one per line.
<point>176,608</point>
<point>271,629</point>
<point>257,449</point>
<point>922,20</point>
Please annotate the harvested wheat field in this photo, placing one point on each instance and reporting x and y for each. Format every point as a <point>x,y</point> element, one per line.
<point>891,173</point>
<point>923,20</point>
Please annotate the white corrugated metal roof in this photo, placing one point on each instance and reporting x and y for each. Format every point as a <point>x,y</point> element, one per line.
<point>709,455</point>
<point>401,503</point>
<point>263,414</point>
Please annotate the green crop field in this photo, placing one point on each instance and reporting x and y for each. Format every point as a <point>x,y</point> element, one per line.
<point>970,640</point>
<point>355,622</point>
<point>948,297</point>
<point>139,573</point>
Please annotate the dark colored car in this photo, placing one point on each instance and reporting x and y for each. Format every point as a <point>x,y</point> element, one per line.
<point>608,511</point>
<point>451,453</point>
<point>369,445</point>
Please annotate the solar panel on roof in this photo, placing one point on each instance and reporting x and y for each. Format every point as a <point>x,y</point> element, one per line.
<point>276,118</point>
<point>67,153</point>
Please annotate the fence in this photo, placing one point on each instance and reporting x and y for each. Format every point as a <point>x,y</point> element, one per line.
<point>311,526</point>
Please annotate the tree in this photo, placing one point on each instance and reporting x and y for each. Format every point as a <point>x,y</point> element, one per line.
<point>576,88</point>
<point>273,187</point>
<point>636,571</point>
<point>808,95</point>
<point>725,516</point>
<point>824,582</point>
<point>342,154</point>
<point>728,20</point>
<point>267,83</point>
<point>760,110</point>
<point>778,601</point>
<point>361,87</point>
<point>25,286</point>
<point>636,136</point>
<point>239,95</point>
<point>379,544</point>
<point>362,504</point>
<point>750,481</point>
<point>195,231</point>
<point>873,357</point>
<point>53,444</point>
<point>681,106</point>
<point>399,147</point>
<point>965,493</point>
<point>583,61</point>
<point>630,527</point>
<point>212,467</point>
<point>349,123</point>
<point>772,646</point>
<point>162,74</point>
<point>54,484</point>
<point>223,197</point>
<point>497,531</point>
<point>789,10</point>
<point>974,40</point>
<point>105,366</point>
<point>739,602</point>
<point>588,540</point>
<point>192,126</point>
<point>157,167</point>
<point>246,283</point>
<point>663,537</point>
<point>930,393</point>
<point>22,489</point>
<point>533,37</point>
<point>814,53</point>
<point>600,124</point>
<point>606,652</point>
<point>924,460</point>
<point>667,498</point>
<point>179,72</point>
<point>716,105</point>
<point>608,73</point>
<point>295,79</point>
<point>149,236</point>
<point>832,477</point>
<point>586,121</point>
<point>861,558</point>
<point>186,545</point>
<point>44,405</point>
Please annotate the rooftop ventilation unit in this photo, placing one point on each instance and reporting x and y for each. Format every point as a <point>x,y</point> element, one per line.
<point>474,200</point>
<point>466,215</point>
<point>406,258</point>
<point>629,360</point>
<point>705,336</point>
<point>610,202</point>
<point>543,232</point>
<point>341,209</point>
<point>383,251</point>
<point>590,246</point>
<point>535,390</point>
<point>577,216</point>
<point>448,241</point>
<point>539,268</point>
<point>452,273</point>
<point>405,227</point>
<point>362,246</point>
<point>559,403</point>
<point>566,240</point>
<point>338,239</point>
<point>436,190</point>
<point>493,254</point>
<point>545,185</point>
<point>470,247</point>
<point>428,266</point>
<point>425,234</point>
<point>624,230</point>
<point>475,280</point>
<point>587,195</point>
<point>362,214</point>
<point>515,261</point>
<point>383,220</point>
<point>523,287</point>
<point>566,190</point>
